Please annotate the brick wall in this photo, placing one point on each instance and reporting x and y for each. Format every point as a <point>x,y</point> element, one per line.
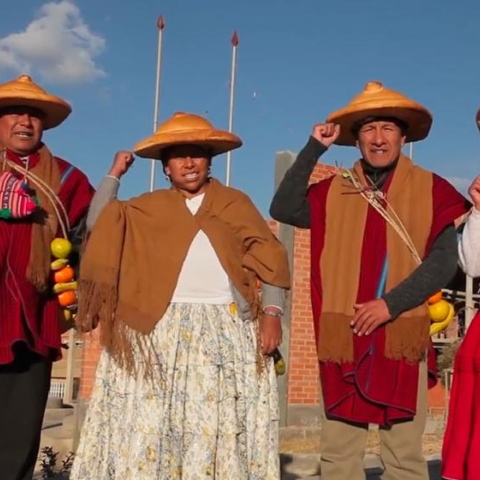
<point>90,355</point>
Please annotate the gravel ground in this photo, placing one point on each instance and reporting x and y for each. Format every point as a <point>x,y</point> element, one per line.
<point>432,444</point>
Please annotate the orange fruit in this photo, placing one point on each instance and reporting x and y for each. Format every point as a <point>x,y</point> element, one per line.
<point>68,298</point>
<point>64,275</point>
<point>436,297</point>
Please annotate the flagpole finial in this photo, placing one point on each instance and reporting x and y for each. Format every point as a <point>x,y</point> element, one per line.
<point>160,23</point>
<point>235,39</point>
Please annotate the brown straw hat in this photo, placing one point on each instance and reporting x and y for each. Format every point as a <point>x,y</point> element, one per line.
<point>23,92</point>
<point>378,101</point>
<point>186,129</point>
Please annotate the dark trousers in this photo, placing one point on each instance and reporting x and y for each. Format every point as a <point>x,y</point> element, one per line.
<point>24,387</point>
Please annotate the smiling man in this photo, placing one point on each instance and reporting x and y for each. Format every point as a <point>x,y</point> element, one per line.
<point>368,293</point>
<point>29,312</point>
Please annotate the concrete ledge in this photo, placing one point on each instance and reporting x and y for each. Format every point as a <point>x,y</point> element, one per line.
<point>54,402</point>
<point>304,415</point>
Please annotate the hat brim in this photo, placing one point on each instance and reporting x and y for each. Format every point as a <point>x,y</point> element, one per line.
<point>419,122</point>
<point>217,141</point>
<point>55,112</point>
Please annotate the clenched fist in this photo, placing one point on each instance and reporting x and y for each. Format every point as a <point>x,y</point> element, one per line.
<point>121,163</point>
<point>474,192</point>
<point>326,133</point>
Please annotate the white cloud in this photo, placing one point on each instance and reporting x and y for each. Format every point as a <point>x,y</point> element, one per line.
<point>57,45</point>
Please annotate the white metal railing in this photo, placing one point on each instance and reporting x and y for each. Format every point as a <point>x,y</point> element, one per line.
<point>67,388</point>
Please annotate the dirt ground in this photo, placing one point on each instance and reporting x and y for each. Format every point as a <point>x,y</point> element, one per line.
<point>432,444</point>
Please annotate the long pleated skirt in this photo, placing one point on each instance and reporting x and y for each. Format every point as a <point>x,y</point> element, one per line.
<point>206,414</point>
<point>461,443</point>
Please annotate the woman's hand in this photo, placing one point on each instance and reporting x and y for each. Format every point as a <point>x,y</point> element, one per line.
<point>121,164</point>
<point>270,333</point>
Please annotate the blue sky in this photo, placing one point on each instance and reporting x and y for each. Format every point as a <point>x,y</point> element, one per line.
<point>297,61</point>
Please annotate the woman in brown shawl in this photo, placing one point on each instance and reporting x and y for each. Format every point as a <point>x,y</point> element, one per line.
<point>185,386</point>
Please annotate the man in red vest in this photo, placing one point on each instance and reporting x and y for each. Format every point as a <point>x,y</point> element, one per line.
<point>383,242</point>
<point>42,197</point>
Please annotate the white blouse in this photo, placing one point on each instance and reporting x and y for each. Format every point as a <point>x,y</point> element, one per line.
<point>202,278</point>
<point>469,245</point>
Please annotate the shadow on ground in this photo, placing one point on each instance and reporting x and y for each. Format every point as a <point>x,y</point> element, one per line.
<point>434,470</point>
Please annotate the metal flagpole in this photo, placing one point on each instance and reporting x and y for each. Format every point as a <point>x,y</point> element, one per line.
<point>234,41</point>
<point>160,27</point>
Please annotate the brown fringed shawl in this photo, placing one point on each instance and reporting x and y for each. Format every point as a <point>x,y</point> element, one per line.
<point>45,221</point>
<point>135,252</point>
<point>410,195</point>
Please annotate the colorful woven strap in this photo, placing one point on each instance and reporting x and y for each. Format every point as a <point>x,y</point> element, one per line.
<point>16,197</point>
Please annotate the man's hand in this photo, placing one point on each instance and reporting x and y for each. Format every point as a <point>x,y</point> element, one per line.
<point>270,333</point>
<point>326,133</point>
<point>474,192</point>
<point>121,164</point>
<point>369,316</point>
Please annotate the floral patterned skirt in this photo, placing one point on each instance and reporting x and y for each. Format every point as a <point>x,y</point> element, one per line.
<point>208,414</point>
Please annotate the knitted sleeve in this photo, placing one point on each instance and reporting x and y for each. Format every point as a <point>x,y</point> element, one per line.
<point>435,272</point>
<point>290,204</point>
<point>107,191</point>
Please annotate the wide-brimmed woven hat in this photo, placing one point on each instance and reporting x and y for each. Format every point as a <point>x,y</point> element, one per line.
<point>378,101</point>
<point>23,92</point>
<point>186,129</point>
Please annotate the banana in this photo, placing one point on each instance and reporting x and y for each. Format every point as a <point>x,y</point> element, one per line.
<point>439,326</point>
<point>63,287</point>
<point>59,263</point>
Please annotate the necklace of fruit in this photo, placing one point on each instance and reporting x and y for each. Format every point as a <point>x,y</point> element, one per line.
<point>65,285</point>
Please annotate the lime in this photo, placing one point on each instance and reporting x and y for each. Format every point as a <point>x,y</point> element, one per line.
<point>61,248</point>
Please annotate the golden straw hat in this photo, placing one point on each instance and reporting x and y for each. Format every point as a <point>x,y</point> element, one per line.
<point>376,100</point>
<point>23,92</point>
<point>186,129</point>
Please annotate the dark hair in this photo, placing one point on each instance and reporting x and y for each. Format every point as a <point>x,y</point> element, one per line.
<point>15,108</point>
<point>165,152</point>
<point>401,124</point>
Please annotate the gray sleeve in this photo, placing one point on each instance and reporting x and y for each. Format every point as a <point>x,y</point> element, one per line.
<point>107,191</point>
<point>273,296</point>
<point>289,204</point>
<point>435,273</point>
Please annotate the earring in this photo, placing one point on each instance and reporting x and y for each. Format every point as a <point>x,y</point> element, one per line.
<point>167,178</point>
